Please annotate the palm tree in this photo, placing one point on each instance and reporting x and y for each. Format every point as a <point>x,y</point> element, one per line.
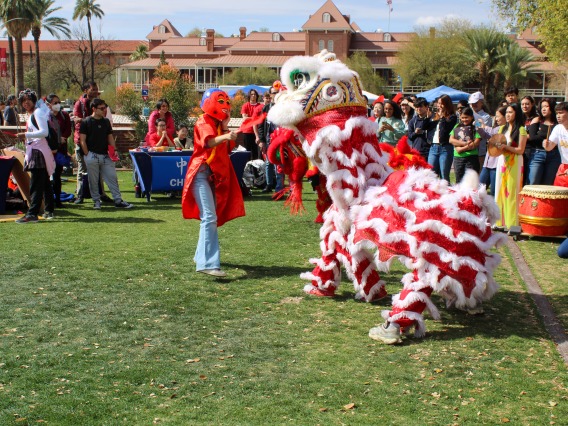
<point>515,66</point>
<point>54,25</point>
<point>88,9</point>
<point>17,16</point>
<point>141,52</point>
<point>485,47</point>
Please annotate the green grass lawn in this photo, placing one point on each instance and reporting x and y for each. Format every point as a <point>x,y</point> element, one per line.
<point>104,321</point>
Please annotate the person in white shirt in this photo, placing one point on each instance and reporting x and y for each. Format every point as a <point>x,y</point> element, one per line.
<point>559,137</point>
<point>476,102</point>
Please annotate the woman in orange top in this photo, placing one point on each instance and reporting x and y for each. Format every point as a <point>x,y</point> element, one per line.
<point>211,190</point>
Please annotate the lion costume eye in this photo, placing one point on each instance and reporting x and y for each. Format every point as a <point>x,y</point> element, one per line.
<point>300,79</point>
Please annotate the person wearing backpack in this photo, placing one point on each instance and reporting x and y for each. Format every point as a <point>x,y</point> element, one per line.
<point>60,122</point>
<point>39,159</point>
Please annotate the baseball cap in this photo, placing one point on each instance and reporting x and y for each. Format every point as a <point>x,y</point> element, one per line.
<point>475,97</point>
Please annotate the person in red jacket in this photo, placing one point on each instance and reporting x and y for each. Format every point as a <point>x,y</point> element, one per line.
<point>252,108</point>
<point>211,191</point>
<point>162,111</point>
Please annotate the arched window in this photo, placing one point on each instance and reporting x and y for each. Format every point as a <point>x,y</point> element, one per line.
<point>162,29</point>
<point>321,45</point>
<point>330,45</point>
<point>202,41</point>
<point>387,37</point>
<point>275,36</point>
<point>326,18</point>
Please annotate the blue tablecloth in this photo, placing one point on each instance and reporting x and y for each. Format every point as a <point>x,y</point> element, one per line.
<point>6,164</point>
<point>165,171</point>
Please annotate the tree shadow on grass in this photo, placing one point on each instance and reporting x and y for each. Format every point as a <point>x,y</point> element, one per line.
<point>508,313</point>
<point>72,217</point>
<point>266,271</point>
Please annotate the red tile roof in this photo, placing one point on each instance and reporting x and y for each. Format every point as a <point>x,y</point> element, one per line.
<point>246,61</point>
<point>171,31</point>
<point>70,46</point>
<point>179,63</point>
<point>262,41</point>
<point>338,21</point>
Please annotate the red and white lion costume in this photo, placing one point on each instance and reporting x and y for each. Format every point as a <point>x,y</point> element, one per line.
<point>442,233</point>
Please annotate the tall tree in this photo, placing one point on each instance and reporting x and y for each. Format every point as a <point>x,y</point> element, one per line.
<point>88,9</point>
<point>371,82</point>
<point>548,16</point>
<point>485,47</point>
<point>72,70</point>
<point>141,52</point>
<point>17,16</point>
<point>432,57</point>
<point>514,67</point>
<point>54,25</point>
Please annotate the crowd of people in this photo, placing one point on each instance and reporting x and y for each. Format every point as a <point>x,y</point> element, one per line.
<point>533,148</point>
<point>534,144</point>
<point>48,128</point>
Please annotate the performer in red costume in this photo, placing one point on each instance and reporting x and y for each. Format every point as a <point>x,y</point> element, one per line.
<point>211,191</point>
<point>441,233</point>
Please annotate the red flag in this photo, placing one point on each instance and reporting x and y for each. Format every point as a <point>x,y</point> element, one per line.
<point>3,63</point>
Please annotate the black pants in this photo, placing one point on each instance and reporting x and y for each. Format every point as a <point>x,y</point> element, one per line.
<point>461,164</point>
<point>250,145</point>
<point>40,189</point>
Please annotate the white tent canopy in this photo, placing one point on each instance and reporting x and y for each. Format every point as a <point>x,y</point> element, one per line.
<point>371,96</point>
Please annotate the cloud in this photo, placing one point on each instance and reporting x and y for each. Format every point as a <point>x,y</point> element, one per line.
<point>432,21</point>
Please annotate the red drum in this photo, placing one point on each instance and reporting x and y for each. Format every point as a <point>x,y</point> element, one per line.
<point>543,210</point>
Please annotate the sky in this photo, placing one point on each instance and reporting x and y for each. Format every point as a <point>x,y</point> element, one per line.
<point>134,19</point>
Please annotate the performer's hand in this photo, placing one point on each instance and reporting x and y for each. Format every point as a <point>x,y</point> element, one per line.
<point>545,143</point>
<point>232,135</point>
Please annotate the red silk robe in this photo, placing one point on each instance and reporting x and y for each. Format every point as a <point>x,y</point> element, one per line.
<point>227,191</point>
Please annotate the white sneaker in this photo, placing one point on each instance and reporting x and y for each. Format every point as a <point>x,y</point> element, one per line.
<point>477,310</point>
<point>214,272</point>
<point>388,333</point>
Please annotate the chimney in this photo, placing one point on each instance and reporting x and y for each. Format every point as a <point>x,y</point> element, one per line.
<point>432,32</point>
<point>242,33</point>
<point>210,40</point>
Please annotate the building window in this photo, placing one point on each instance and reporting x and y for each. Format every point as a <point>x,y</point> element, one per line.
<point>202,41</point>
<point>275,37</point>
<point>326,18</point>
<point>162,29</point>
<point>387,37</point>
<point>330,45</point>
<point>321,45</point>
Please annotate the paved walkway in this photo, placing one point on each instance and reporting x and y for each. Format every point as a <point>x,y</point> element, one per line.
<point>551,323</point>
